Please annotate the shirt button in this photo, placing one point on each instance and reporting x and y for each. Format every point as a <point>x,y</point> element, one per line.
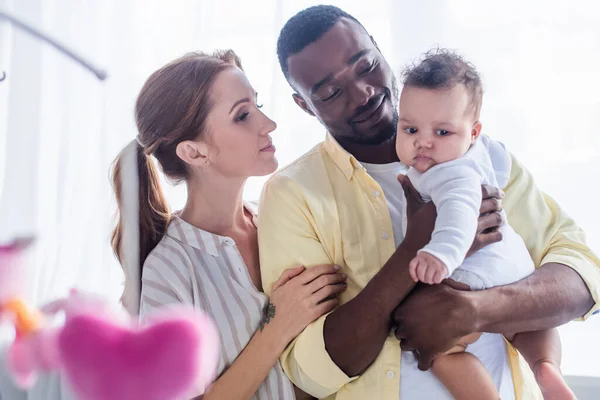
<point>385,236</point>
<point>376,193</point>
<point>390,374</point>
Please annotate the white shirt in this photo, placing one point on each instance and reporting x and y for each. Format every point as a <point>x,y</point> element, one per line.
<point>387,177</point>
<point>490,348</point>
<point>455,189</point>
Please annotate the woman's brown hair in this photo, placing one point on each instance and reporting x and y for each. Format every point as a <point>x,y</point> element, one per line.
<point>172,107</point>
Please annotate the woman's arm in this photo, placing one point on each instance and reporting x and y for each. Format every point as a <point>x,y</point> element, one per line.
<point>299,297</point>
<point>251,367</point>
<point>259,356</point>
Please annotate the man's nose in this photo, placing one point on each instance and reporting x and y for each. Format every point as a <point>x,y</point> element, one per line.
<point>362,93</point>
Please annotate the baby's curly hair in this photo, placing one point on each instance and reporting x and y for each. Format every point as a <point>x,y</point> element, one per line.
<point>440,69</point>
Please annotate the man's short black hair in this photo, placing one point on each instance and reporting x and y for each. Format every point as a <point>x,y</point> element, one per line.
<point>443,69</point>
<point>306,27</point>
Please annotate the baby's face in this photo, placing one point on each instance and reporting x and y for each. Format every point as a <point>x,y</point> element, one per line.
<point>434,126</point>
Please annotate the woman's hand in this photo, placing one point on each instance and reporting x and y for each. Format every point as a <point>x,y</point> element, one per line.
<point>301,295</point>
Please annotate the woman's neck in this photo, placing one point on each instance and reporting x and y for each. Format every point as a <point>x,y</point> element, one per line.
<point>216,206</point>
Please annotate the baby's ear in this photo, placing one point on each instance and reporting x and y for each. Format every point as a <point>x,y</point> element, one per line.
<point>475,131</point>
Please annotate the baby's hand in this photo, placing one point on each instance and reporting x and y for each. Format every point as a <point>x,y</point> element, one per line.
<point>427,268</point>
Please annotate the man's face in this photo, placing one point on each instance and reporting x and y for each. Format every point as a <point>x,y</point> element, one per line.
<point>344,81</point>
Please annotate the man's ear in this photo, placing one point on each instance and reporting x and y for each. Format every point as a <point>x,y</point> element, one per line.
<point>302,104</point>
<point>475,131</point>
<point>374,42</point>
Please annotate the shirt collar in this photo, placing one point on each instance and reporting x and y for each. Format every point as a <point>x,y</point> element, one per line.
<point>190,235</point>
<point>200,239</point>
<point>345,161</point>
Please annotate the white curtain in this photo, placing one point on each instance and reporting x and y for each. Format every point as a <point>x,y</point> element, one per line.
<point>60,128</point>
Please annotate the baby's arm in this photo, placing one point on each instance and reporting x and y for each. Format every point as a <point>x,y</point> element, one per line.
<point>427,268</point>
<point>455,189</point>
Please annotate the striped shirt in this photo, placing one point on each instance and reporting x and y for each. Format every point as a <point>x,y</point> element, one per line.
<point>196,267</point>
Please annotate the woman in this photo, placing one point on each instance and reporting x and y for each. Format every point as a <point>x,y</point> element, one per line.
<point>199,117</point>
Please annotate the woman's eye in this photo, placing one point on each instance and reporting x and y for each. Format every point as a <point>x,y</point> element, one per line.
<point>242,117</point>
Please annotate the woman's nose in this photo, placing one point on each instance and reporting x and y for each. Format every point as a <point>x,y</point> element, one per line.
<point>268,125</point>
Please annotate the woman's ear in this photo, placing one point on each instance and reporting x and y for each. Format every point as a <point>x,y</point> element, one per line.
<point>193,153</point>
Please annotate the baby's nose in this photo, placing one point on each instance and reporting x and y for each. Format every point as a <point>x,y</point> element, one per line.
<point>423,142</point>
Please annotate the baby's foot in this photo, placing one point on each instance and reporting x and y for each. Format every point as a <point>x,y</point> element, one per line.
<point>551,382</point>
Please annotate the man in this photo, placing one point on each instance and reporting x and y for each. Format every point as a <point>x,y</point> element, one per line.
<point>340,203</point>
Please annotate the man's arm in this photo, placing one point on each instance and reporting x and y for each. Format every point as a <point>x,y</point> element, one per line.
<point>552,296</point>
<point>327,353</point>
<point>567,286</point>
<point>354,333</point>
<point>344,343</point>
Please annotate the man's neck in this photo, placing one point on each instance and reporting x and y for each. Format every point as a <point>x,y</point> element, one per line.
<point>383,153</point>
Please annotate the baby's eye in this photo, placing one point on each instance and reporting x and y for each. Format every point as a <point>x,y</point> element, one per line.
<point>442,132</point>
<point>410,130</point>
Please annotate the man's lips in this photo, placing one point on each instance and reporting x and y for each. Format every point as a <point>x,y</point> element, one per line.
<point>366,115</point>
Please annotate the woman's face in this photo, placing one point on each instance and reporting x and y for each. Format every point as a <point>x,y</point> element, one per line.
<point>238,143</point>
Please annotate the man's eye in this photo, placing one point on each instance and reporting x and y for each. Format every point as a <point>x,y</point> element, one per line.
<point>370,68</point>
<point>332,95</point>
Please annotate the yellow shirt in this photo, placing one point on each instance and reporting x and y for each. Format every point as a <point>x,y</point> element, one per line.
<point>323,209</point>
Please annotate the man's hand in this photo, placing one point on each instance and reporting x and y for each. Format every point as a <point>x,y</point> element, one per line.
<point>431,321</point>
<point>420,217</point>
<point>489,220</point>
<point>449,313</point>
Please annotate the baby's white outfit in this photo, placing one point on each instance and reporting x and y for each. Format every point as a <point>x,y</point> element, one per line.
<point>455,189</point>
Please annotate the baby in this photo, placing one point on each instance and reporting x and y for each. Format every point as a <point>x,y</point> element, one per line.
<point>439,139</point>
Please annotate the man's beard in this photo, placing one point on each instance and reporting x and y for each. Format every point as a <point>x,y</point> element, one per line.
<point>386,132</point>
